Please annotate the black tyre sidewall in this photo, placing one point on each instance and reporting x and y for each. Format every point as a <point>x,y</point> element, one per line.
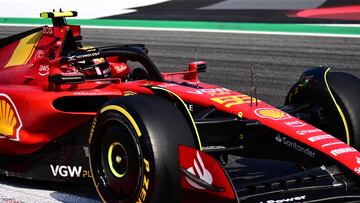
<point>346,90</point>
<point>163,128</point>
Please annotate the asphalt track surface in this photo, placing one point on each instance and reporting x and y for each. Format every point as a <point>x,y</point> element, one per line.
<point>278,62</point>
<point>273,11</point>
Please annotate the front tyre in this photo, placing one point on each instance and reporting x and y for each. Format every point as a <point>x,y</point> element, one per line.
<point>134,150</point>
<point>334,102</point>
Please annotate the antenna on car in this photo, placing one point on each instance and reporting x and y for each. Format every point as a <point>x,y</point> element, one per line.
<point>253,93</point>
<point>195,52</point>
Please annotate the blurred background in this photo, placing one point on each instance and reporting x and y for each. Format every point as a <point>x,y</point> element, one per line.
<point>274,11</point>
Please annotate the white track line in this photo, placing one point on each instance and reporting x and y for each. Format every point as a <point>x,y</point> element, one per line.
<point>210,31</point>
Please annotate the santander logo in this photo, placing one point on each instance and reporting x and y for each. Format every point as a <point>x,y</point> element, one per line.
<point>199,170</point>
<point>357,160</point>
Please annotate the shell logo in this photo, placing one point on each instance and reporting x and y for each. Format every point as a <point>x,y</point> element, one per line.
<point>271,113</point>
<point>10,123</point>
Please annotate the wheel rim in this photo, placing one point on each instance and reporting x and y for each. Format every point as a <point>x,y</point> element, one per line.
<point>117,159</point>
<point>119,167</point>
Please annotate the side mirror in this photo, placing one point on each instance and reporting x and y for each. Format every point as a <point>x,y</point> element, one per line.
<point>199,66</point>
<point>66,78</point>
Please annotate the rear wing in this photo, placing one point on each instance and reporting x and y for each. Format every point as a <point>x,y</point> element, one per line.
<point>21,48</point>
<point>72,35</point>
<point>58,17</point>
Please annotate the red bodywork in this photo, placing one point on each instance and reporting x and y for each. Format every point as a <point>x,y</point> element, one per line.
<point>29,119</point>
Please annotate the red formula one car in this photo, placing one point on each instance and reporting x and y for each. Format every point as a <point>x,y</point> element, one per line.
<point>69,112</point>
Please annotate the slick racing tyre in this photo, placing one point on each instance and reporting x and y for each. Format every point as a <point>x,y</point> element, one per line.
<point>346,90</point>
<point>334,102</point>
<point>134,149</point>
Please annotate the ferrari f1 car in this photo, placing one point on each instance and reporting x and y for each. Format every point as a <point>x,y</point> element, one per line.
<point>69,112</point>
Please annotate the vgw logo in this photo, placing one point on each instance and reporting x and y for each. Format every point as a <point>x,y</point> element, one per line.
<point>66,171</point>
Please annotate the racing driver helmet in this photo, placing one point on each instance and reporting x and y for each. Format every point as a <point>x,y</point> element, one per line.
<point>96,70</point>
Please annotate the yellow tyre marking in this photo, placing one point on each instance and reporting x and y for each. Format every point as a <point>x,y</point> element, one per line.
<point>191,118</point>
<point>339,109</point>
<point>126,114</point>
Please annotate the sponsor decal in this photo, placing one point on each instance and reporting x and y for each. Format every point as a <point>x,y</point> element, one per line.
<point>67,171</point>
<point>303,132</point>
<point>278,138</point>
<point>39,54</point>
<point>229,101</point>
<point>86,174</point>
<point>120,68</point>
<point>291,199</point>
<point>129,93</point>
<point>82,56</point>
<point>197,166</point>
<point>10,122</point>
<point>86,151</point>
<point>295,146</point>
<point>58,43</point>
<point>295,124</point>
<point>198,169</point>
<point>145,187</point>
<point>92,129</point>
<point>84,93</point>
<point>191,107</point>
<point>164,85</point>
<point>98,60</point>
<point>213,147</point>
<point>72,73</point>
<point>47,30</point>
<point>272,113</point>
<point>44,70</point>
<point>71,58</point>
<point>212,91</point>
<point>344,150</point>
<point>357,170</point>
<point>319,137</point>
<point>330,144</point>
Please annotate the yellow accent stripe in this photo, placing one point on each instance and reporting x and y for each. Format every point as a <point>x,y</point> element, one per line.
<point>57,14</point>
<point>126,114</point>
<point>191,118</point>
<point>111,164</point>
<point>339,110</point>
<point>24,50</point>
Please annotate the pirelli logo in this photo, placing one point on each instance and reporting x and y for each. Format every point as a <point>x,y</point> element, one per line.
<point>10,122</point>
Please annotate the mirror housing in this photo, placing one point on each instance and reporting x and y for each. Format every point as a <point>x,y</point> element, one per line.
<point>60,79</point>
<point>199,66</point>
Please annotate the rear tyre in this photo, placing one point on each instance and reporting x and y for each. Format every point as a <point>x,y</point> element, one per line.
<point>134,150</point>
